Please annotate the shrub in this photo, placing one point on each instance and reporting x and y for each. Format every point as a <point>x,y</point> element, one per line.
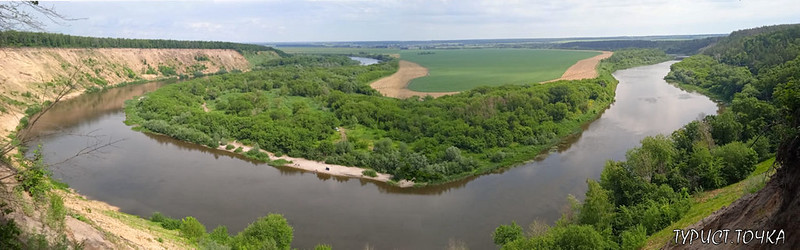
<point>56,212</point>
<point>165,221</point>
<point>192,229</point>
<point>507,233</point>
<point>370,173</point>
<point>229,147</point>
<point>272,229</point>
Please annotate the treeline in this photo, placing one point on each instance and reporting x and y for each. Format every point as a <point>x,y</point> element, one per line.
<point>295,107</point>
<point>650,190</point>
<point>684,47</point>
<point>38,39</point>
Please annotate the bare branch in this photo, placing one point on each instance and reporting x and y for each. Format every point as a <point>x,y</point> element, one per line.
<point>24,15</point>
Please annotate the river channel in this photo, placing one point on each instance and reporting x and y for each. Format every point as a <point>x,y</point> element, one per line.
<point>147,173</point>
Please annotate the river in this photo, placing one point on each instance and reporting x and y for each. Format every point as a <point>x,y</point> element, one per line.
<point>147,173</point>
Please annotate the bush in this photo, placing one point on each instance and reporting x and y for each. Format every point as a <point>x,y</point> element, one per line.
<point>370,173</point>
<point>238,150</point>
<point>192,229</point>
<point>323,247</point>
<point>229,147</point>
<point>165,221</point>
<point>507,233</point>
<point>56,212</point>
<point>738,161</point>
<point>272,229</point>
<point>220,235</point>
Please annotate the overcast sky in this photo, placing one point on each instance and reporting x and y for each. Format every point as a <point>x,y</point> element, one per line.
<point>358,20</point>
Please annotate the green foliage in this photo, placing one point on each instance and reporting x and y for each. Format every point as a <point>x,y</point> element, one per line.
<point>167,70</point>
<point>737,160</point>
<point>165,221</point>
<point>229,146</point>
<point>12,38</point>
<point>9,231</point>
<point>271,230</point>
<point>634,238</point>
<point>369,172</point>
<point>56,212</point>
<point>33,178</point>
<point>292,107</point>
<point>628,58</point>
<point>220,235</point>
<point>507,233</point>
<point>192,229</point>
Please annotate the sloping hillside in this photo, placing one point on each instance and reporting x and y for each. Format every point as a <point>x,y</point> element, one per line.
<point>31,75</point>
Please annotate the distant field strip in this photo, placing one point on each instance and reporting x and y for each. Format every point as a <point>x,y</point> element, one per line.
<point>396,84</point>
<point>463,69</point>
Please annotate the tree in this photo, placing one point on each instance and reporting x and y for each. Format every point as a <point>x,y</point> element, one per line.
<point>192,229</point>
<point>272,229</point>
<point>597,210</point>
<point>507,233</point>
<point>737,161</point>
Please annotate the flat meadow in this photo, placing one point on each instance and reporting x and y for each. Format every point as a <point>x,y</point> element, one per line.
<point>463,69</point>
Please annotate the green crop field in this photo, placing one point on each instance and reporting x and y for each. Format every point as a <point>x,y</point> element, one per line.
<point>463,69</point>
<point>333,50</point>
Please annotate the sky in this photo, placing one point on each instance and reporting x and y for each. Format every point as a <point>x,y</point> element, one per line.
<point>360,20</point>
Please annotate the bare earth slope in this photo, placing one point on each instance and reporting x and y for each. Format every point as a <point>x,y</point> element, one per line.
<point>30,69</point>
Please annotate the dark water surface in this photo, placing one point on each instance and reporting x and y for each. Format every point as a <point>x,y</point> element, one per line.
<point>147,173</point>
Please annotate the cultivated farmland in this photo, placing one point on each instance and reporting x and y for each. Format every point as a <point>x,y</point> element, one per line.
<point>463,69</point>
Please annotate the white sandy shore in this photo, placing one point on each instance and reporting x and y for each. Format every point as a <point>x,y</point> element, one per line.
<point>319,167</point>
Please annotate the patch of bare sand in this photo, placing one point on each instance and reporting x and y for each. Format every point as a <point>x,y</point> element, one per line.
<point>583,69</point>
<point>321,167</point>
<point>101,215</point>
<point>396,85</point>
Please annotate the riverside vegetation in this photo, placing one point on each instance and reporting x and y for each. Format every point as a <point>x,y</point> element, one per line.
<point>754,72</point>
<point>294,104</point>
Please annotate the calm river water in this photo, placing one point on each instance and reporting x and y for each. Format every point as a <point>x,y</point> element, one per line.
<point>148,173</point>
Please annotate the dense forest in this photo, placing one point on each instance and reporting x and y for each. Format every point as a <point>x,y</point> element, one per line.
<point>635,198</point>
<point>37,39</point>
<point>294,106</point>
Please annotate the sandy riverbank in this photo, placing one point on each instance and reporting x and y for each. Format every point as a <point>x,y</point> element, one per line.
<point>320,167</point>
<point>583,69</point>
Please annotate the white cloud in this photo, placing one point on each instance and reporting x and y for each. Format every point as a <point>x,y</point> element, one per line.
<point>337,20</point>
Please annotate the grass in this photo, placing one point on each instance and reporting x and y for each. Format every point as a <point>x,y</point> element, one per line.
<point>148,226</point>
<point>706,203</point>
<point>341,51</point>
<point>258,57</point>
<point>463,69</point>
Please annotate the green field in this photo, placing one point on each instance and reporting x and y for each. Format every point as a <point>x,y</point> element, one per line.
<point>333,50</point>
<point>463,69</point>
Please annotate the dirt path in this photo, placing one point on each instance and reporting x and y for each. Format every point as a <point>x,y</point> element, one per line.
<point>396,85</point>
<point>583,69</point>
<point>321,167</point>
<point>342,134</point>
